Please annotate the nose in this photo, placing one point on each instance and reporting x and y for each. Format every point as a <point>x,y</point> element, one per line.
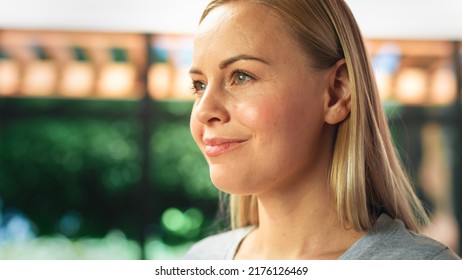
<point>210,107</point>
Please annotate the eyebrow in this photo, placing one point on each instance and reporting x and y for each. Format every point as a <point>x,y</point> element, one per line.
<point>225,63</point>
<point>236,58</point>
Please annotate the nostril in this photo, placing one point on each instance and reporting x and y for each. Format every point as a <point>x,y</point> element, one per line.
<point>214,119</point>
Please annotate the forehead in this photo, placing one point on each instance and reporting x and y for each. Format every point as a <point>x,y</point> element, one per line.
<point>240,27</point>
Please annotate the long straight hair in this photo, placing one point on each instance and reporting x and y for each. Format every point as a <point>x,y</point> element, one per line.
<point>366,175</point>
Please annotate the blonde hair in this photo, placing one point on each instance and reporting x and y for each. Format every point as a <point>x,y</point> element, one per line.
<point>366,176</point>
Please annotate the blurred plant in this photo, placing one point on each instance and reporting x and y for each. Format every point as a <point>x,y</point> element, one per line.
<point>178,164</point>
<point>113,246</point>
<point>74,179</point>
<point>49,167</point>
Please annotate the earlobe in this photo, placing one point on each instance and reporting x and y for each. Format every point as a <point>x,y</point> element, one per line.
<point>338,95</point>
<point>339,110</point>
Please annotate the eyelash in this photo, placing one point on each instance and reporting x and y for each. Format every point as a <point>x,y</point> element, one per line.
<point>237,72</point>
<point>195,84</point>
<point>234,74</point>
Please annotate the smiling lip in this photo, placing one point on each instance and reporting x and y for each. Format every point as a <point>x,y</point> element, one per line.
<point>217,146</point>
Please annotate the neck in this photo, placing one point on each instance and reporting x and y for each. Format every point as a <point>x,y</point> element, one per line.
<point>298,223</point>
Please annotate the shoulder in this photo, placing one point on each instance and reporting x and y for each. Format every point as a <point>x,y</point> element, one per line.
<point>405,244</point>
<point>389,239</point>
<point>220,246</point>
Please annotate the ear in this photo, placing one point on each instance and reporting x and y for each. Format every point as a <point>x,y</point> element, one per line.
<point>337,102</point>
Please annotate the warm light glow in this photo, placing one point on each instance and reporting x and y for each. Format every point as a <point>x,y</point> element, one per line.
<point>9,77</point>
<point>160,81</point>
<point>117,80</point>
<point>40,78</point>
<point>183,84</point>
<point>77,80</point>
<point>443,87</point>
<point>172,60</point>
<point>411,86</point>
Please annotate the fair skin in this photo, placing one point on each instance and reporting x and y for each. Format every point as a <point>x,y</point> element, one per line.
<point>265,122</point>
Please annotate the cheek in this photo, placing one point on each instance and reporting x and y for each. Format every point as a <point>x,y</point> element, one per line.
<point>290,117</point>
<point>269,123</point>
<point>195,127</point>
<point>261,118</point>
<point>250,114</point>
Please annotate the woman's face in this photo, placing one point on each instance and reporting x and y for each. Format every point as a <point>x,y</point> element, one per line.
<point>258,116</point>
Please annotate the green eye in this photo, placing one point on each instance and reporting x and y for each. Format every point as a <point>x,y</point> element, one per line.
<point>241,77</point>
<point>198,86</point>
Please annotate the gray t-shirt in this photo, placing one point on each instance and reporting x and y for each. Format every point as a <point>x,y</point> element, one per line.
<point>388,240</point>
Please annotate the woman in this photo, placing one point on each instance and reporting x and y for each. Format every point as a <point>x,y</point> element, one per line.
<point>288,117</point>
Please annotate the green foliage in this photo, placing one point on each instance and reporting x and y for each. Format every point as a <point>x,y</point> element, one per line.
<point>178,165</point>
<point>82,177</point>
<point>50,166</point>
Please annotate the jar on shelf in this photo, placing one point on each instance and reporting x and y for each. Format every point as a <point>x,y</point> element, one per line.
<point>78,75</point>
<point>9,74</point>
<point>117,77</point>
<point>40,74</point>
<point>168,76</point>
<point>160,74</point>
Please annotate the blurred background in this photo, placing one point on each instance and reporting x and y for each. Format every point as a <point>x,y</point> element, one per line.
<point>96,158</point>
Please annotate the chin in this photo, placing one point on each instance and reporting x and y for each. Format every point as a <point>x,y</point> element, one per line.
<point>238,181</point>
<point>233,187</point>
